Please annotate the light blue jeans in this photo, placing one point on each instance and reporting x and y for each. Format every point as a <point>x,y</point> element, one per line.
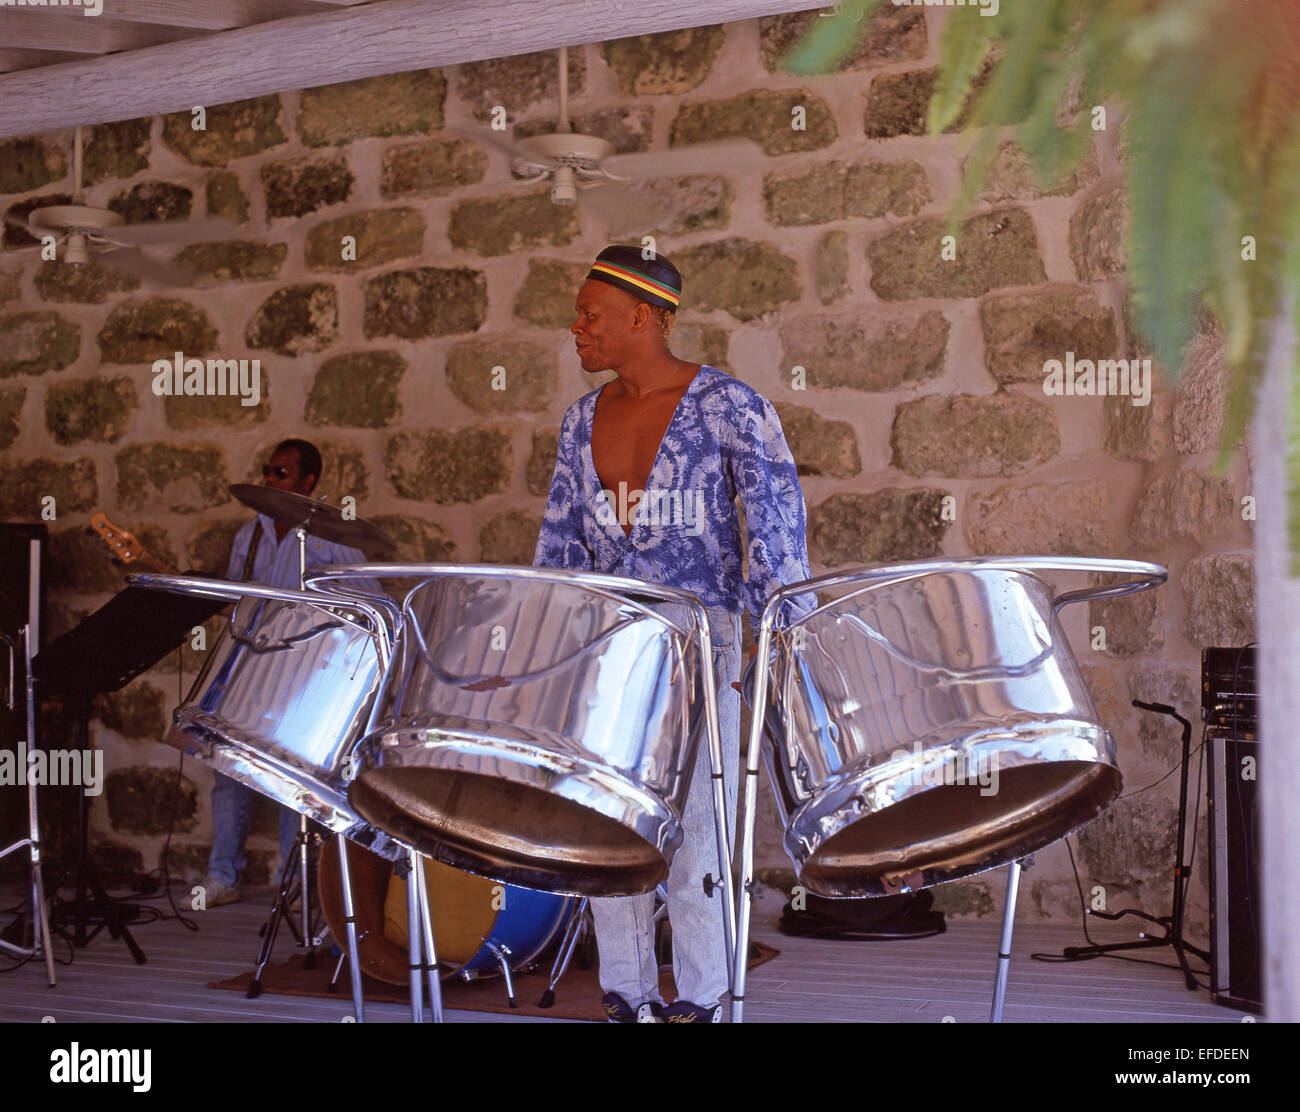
<point>624,926</point>
<point>232,810</point>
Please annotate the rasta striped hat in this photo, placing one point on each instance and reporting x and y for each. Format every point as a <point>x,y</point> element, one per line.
<point>654,280</point>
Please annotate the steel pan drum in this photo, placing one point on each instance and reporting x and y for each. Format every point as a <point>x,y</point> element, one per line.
<point>538,728</point>
<point>283,697</point>
<point>932,723</point>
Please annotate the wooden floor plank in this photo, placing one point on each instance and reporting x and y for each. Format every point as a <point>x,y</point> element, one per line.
<point>919,981</point>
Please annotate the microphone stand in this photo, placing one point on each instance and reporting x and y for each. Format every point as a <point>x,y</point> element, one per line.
<point>1172,924</point>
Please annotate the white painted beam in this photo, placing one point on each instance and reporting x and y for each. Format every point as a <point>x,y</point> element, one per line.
<point>306,51</point>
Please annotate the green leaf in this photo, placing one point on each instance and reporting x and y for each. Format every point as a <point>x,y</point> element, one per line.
<point>962,50</point>
<point>831,38</point>
<point>1014,78</point>
<point>1174,193</point>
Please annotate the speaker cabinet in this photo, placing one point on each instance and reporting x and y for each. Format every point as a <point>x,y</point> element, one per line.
<point>1236,957</point>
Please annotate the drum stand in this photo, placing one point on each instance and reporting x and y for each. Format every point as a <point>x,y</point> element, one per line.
<point>40,915</point>
<point>1004,940</point>
<point>298,859</point>
<point>568,943</point>
<point>419,926</point>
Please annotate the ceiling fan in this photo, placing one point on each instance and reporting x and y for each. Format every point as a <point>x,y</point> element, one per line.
<point>82,232</point>
<point>615,185</point>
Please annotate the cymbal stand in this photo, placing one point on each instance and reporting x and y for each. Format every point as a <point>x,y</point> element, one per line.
<point>40,913</point>
<point>283,910</point>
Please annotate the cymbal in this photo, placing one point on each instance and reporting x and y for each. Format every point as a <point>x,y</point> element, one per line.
<point>320,519</point>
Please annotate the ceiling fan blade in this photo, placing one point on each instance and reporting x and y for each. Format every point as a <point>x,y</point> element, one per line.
<point>488,138</point>
<point>177,232</point>
<point>139,265</point>
<point>724,156</point>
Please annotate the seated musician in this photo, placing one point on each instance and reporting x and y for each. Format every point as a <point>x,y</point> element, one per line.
<point>672,445</point>
<point>265,551</point>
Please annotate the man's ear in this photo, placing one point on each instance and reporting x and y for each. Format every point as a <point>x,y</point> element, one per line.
<point>641,316</point>
<point>313,481</point>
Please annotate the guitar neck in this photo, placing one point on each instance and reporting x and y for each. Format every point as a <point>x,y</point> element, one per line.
<point>132,554</point>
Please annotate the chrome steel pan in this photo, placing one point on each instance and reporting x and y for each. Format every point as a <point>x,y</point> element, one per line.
<point>284,696</point>
<point>537,726</point>
<point>931,722</point>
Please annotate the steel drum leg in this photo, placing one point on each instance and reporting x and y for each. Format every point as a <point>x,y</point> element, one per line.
<point>414,938</point>
<point>739,969</point>
<point>304,894</point>
<point>716,771</point>
<point>565,953</point>
<point>1004,943</point>
<point>354,960</point>
<point>430,954</point>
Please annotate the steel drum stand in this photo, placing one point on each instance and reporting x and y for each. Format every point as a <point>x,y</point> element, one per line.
<point>41,942</point>
<point>318,580</point>
<point>1149,575</point>
<point>1004,939</point>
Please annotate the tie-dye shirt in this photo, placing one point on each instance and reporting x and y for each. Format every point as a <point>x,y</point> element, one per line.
<point>724,441</point>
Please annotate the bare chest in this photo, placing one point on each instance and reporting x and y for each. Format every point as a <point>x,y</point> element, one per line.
<point>626,434</point>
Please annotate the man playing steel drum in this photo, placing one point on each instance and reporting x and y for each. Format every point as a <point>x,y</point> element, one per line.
<point>646,476</point>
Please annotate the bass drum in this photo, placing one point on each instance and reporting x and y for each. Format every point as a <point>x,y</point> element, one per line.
<point>466,910</point>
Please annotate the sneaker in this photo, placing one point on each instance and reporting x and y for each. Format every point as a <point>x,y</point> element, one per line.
<point>218,893</point>
<point>683,1011</point>
<point>618,1010</point>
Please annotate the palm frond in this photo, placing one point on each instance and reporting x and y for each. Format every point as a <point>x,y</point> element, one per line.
<point>1175,195</point>
<point>830,39</point>
<point>962,53</point>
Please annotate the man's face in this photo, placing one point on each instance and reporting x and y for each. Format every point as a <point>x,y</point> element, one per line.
<point>281,473</point>
<point>603,331</point>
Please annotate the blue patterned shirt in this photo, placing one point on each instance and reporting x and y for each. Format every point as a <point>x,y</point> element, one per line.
<point>276,561</point>
<point>724,441</point>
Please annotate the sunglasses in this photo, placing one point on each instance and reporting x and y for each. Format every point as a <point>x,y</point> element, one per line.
<point>278,472</point>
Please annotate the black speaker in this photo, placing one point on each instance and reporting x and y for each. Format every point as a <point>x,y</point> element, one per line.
<point>1235,899</point>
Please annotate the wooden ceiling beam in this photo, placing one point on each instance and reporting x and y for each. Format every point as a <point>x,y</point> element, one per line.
<point>310,50</point>
<point>18,59</point>
<point>210,15</point>
<point>71,31</point>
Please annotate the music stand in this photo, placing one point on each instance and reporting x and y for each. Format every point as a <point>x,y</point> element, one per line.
<point>123,638</point>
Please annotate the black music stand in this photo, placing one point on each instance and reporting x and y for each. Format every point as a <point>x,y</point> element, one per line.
<point>129,634</point>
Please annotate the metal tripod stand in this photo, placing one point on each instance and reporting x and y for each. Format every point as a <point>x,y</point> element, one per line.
<point>32,843</point>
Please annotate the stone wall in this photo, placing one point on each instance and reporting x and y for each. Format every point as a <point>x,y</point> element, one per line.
<point>909,385</point>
